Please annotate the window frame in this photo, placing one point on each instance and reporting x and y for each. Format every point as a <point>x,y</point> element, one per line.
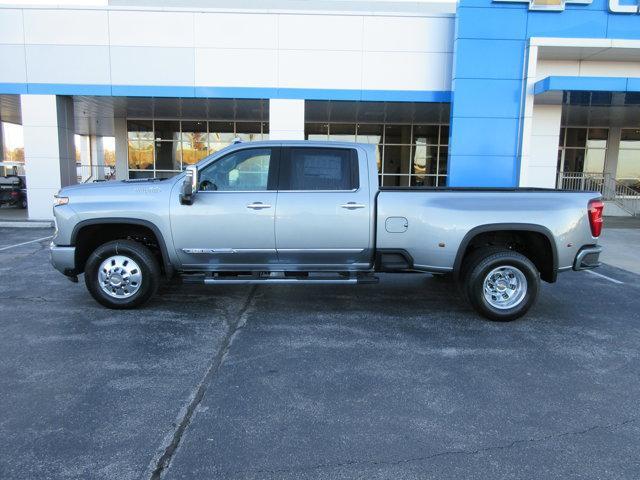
<point>272,176</point>
<point>284,177</point>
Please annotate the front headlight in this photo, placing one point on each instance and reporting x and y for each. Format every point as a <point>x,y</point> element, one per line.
<point>57,200</point>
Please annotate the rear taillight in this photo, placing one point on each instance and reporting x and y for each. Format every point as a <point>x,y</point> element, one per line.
<point>595,216</point>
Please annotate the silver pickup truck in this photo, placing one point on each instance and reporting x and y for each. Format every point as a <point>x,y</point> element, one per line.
<point>313,213</point>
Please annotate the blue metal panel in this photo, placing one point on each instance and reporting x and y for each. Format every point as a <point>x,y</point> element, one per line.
<point>581,84</point>
<point>482,171</point>
<point>483,136</point>
<point>406,95</point>
<point>13,88</point>
<point>68,89</point>
<point>489,58</point>
<point>633,84</point>
<point>623,26</point>
<point>487,98</point>
<point>151,91</point>
<point>491,23</point>
<point>570,23</point>
<point>226,92</point>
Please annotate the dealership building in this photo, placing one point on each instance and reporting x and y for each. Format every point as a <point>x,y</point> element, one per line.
<point>482,93</point>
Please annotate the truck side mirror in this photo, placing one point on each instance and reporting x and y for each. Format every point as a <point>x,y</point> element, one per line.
<point>189,185</point>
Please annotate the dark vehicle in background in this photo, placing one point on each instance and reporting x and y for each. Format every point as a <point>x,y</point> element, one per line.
<point>13,191</point>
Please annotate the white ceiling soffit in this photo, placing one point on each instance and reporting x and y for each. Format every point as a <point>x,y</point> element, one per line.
<point>587,49</point>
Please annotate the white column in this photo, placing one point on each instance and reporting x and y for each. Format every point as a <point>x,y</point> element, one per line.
<point>85,157</point>
<point>540,170</point>
<point>122,148</point>
<point>286,119</point>
<point>49,150</point>
<point>97,158</point>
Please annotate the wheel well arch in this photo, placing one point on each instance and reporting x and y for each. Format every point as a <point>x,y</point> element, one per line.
<point>533,241</point>
<point>90,234</point>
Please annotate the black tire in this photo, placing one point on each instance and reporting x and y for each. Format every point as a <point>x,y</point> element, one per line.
<point>484,261</point>
<point>23,203</point>
<point>141,255</point>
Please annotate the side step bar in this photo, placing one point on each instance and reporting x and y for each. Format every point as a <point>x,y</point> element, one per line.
<point>278,280</point>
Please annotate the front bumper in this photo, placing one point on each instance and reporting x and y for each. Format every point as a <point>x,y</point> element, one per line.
<point>63,259</point>
<point>587,258</point>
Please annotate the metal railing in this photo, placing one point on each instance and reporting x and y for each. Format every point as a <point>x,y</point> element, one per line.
<point>611,189</point>
<point>95,173</point>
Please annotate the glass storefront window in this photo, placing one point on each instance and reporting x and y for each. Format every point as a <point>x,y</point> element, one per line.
<point>582,150</point>
<point>407,154</point>
<point>342,132</point>
<point>162,148</point>
<point>628,170</point>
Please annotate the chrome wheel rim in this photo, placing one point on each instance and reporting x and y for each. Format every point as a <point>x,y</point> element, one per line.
<point>119,276</point>
<point>505,287</point>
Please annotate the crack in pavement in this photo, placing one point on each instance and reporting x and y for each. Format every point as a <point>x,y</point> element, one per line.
<point>506,446</point>
<point>162,460</point>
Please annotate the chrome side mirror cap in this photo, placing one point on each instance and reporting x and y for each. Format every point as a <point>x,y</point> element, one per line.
<point>189,185</point>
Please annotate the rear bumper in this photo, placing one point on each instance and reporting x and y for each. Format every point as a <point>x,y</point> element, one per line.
<point>63,259</point>
<point>587,258</point>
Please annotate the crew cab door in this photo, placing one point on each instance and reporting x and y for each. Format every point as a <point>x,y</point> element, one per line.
<point>323,217</point>
<point>231,221</point>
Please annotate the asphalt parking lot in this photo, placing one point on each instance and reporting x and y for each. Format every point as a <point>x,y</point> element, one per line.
<point>399,380</point>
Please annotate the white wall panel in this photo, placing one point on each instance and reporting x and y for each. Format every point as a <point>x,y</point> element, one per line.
<point>286,119</point>
<point>408,34</point>
<point>153,29</point>
<point>66,27</point>
<point>241,68</point>
<point>609,69</point>
<point>152,66</point>
<point>236,30</point>
<point>318,69</point>
<point>11,26</point>
<point>557,67</point>
<point>406,71</point>
<point>12,61</point>
<point>68,64</point>
<point>320,32</point>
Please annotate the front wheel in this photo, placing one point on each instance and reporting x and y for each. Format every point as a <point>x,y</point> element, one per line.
<point>122,274</point>
<point>501,285</point>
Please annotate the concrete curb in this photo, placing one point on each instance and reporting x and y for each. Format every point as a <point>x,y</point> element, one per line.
<point>30,224</point>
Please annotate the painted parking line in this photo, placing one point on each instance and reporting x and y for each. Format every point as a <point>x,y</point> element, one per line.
<point>605,277</point>
<point>26,243</point>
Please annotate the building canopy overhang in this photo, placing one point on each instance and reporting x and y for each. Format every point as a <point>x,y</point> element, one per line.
<point>554,89</point>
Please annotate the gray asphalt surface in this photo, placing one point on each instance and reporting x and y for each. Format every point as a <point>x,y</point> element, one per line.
<point>399,380</point>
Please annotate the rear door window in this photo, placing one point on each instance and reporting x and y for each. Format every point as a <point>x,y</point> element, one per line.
<point>308,168</point>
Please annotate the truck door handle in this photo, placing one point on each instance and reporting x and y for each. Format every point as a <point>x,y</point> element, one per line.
<point>258,206</point>
<point>352,205</point>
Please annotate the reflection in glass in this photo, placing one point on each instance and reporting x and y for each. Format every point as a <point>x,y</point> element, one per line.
<point>249,131</point>
<point>167,130</point>
<point>424,181</point>
<point>168,156</point>
<point>425,159</point>
<point>443,160</point>
<point>342,132</point>
<point>576,137</point>
<point>317,131</point>
<point>594,161</point>
<point>425,134</point>
<point>397,134</point>
<point>369,133</point>
<point>574,159</point>
<point>221,132</point>
<point>195,147</point>
<point>140,154</point>
<point>397,159</point>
